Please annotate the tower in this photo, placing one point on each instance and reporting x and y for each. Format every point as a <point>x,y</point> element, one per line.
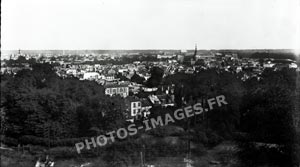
<point>195,52</point>
<point>193,59</point>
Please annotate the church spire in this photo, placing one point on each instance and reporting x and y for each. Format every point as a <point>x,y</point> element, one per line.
<point>193,59</point>
<point>195,52</point>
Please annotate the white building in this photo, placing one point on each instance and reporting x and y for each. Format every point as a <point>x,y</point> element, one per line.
<point>71,72</point>
<point>268,65</point>
<point>91,76</point>
<point>293,65</point>
<point>115,89</point>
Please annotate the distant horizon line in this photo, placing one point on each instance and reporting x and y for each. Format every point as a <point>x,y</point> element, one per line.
<point>149,49</point>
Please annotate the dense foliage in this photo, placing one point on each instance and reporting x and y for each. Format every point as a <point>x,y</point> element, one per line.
<point>39,103</point>
<point>268,134</point>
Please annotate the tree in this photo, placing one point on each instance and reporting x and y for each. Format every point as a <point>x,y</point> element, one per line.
<point>137,79</point>
<point>39,103</point>
<point>156,77</point>
<point>269,135</point>
<point>122,77</point>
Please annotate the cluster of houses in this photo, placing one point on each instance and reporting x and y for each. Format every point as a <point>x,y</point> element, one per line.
<point>140,107</point>
<point>116,79</point>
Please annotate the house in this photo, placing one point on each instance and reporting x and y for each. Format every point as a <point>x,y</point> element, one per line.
<point>154,100</point>
<point>117,89</point>
<point>146,89</point>
<point>189,70</point>
<point>293,65</point>
<point>146,106</point>
<point>134,88</point>
<point>110,78</point>
<point>166,100</point>
<point>268,65</point>
<point>180,58</point>
<point>91,76</point>
<point>134,107</point>
<point>111,72</point>
<point>122,70</point>
<point>166,56</point>
<point>71,72</point>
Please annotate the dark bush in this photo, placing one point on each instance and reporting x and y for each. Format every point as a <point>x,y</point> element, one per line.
<point>8,141</point>
<point>199,150</point>
<point>213,138</point>
<point>200,137</point>
<point>27,139</point>
<point>63,152</point>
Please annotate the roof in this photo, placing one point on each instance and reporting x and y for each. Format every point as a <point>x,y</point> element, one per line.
<point>132,99</point>
<point>115,85</point>
<point>287,61</point>
<point>160,97</point>
<point>145,102</point>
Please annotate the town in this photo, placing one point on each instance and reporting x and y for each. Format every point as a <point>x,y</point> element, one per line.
<point>127,74</point>
<point>140,83</point>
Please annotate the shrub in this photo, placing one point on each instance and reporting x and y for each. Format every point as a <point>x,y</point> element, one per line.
<point>63,152</point>
<point>8,140</point>
<point>213,138</point>
<point>28,139</point>
<point>200,137</point>
<point>199,150</point>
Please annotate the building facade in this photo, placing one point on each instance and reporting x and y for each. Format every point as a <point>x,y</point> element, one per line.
<point>115,89</point>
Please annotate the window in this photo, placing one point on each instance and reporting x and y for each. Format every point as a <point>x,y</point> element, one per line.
<point>134,105</point>
<point>133,112</point>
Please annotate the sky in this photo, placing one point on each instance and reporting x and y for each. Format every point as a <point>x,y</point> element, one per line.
<point>150,24</point>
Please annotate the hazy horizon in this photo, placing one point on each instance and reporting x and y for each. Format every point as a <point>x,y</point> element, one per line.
<point>188,49</point>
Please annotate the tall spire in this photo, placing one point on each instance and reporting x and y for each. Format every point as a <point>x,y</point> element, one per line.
<point>195,52</point>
